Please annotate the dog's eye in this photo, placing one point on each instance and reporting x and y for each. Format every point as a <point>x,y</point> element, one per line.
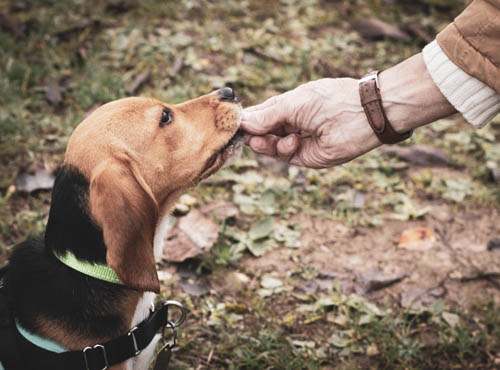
<point>166,117</point>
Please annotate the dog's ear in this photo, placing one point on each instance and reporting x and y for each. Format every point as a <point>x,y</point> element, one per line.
<point>124,207</point>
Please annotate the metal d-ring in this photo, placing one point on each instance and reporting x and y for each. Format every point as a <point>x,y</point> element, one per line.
<point>178,306</point>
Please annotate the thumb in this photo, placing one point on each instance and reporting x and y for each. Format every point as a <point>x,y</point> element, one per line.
<point>266,117</point>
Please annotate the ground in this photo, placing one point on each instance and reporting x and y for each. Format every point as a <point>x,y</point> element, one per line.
<point>390,261</point>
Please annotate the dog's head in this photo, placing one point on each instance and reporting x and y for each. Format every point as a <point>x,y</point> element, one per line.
<point>139,155</point>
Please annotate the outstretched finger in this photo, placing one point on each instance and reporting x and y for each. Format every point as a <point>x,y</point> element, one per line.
<point>266,117</point>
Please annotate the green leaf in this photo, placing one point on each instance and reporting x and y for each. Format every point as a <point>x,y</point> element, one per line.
<point>260,247</point>
<point>261,229</point>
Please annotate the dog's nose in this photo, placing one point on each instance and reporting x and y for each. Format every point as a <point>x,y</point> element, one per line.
<point>227,94</point>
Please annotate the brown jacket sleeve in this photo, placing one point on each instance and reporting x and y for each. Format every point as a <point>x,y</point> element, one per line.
<point>472,41</point>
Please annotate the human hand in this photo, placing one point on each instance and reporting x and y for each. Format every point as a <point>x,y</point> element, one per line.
<point>322,123</point>
<point>318,125</point>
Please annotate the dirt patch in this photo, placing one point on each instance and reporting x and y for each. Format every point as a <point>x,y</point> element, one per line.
<point>456,266</point>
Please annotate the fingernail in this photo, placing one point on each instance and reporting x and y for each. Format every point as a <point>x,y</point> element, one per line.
<point>290,140</point>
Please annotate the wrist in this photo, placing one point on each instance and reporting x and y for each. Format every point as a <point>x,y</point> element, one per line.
<point>410,97</point>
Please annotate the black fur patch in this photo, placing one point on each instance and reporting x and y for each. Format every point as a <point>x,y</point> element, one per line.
<point>39,285</point>
<point>70,226</point>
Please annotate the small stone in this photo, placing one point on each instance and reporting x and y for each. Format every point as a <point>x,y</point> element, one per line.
<point>493,244</point>
<point>372,350</point>
<point>181,210</point>
<point>270,282</point>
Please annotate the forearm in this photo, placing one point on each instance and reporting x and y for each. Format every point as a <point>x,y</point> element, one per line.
<point>410,97</point>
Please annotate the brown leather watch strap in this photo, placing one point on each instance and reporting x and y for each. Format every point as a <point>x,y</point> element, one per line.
<point>371,101</point>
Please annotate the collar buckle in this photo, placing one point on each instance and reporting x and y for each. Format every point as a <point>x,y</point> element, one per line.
<point>131,334</point>
<point>104,355</point>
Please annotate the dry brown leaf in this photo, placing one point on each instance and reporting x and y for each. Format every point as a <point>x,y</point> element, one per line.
<point>193,235</point>
<point>419,155</point>
<point>376,29</point>
<point>417,238</point>
<point>374,280</point>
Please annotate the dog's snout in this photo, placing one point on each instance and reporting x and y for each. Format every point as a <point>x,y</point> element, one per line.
<point>227,94</point>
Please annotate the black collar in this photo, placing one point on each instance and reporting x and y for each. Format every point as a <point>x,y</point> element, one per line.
<point>105,355</point>
<point>100,356</point>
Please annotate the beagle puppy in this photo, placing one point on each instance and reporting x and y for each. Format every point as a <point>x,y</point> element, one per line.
<point>125,166</point>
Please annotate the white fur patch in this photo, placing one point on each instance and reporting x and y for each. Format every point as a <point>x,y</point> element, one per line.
<point>161,232</point>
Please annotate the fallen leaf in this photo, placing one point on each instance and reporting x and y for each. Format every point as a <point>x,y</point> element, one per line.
<point>194,287</point>
<point>359,200</point>
<point>340,340</point>
<point>376,29</point>
<point>39,179</point>
<point>374,280</point>
<point>267,203</point>
<point>418,30</point>
<point>247,204</point>
<point>372,350</point>
<point>193,235</point>
<point>419,155</point>
<point>270,282</point>
<point>53,93</point>
<point>326,69</point>
<point>362,305</point>
<point>140,80</point>
<point>340,320</point>
<point>450,318</point>
<point>261,229</point>
<point>366,319</point>
<point>456,189</point>
<point>288,236</point>
<point>260,247</point>
<point>417,238</point>
<point>270,285</point>
<point>303,343</point>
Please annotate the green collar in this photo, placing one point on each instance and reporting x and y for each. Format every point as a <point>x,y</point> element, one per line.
<point>95,270</point>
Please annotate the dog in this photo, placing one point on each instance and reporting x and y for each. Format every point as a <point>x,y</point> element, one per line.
<point>125,166</point>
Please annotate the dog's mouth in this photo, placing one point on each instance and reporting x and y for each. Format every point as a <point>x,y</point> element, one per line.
<point>217,160</point>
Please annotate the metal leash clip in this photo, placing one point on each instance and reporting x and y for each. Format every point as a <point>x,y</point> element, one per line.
<point>169,341</point>
<point>175,306</point>
<point>169,334</point>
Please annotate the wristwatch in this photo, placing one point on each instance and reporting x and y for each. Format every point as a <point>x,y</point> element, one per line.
<point>371,100</point>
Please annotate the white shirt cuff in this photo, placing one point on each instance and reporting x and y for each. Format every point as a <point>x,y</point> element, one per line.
<point>477,102</point>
